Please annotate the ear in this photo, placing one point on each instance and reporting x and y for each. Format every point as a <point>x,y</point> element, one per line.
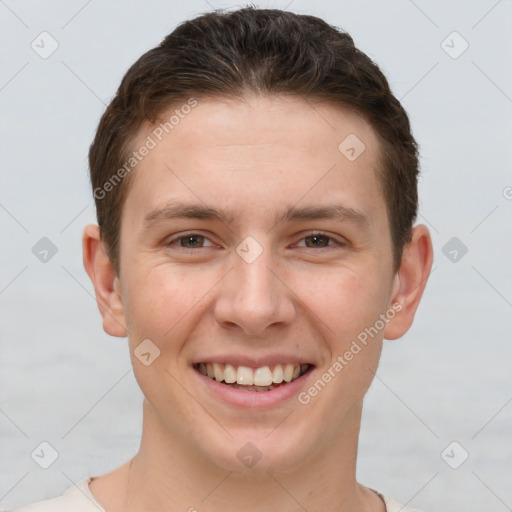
<point>410,281</point>
<point>106,284</point>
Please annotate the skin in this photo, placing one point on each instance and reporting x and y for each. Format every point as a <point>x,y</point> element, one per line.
<point>255,157</point>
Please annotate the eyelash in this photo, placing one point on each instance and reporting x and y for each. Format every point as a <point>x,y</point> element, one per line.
<point>170,243</point>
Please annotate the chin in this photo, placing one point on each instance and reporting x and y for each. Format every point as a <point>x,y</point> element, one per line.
<point>259,453</point>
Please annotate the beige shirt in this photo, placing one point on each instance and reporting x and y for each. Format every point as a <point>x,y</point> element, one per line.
<point>78,498</point>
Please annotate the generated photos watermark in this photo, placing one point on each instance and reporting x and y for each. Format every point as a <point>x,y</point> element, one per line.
<point>150,143</point>
<point>304,397</point>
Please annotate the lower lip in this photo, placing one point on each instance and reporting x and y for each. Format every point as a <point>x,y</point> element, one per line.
<point>254,399</point>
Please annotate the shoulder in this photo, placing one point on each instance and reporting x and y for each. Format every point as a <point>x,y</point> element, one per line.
<point>76,497</point>
<point>394,506</point>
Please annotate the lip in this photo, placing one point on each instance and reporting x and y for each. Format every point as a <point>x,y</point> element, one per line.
<point>253,399</point>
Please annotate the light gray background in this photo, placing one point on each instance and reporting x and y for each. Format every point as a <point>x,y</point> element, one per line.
<point>64,381</point>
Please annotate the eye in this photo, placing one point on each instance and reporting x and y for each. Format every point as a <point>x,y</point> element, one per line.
<point>189,241</point>
<point>192,241</point>
<point>320,240</point>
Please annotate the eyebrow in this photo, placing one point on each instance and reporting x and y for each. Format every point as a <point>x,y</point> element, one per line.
<point>176,210</point>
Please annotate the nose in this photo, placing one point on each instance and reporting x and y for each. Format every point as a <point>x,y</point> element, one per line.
<point>254,297</point>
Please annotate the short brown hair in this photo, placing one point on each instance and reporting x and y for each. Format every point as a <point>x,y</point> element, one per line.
<point>262,51</point>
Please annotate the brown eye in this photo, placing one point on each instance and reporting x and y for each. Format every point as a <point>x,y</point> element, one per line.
<point>191,241</point>
<point>317,240</point>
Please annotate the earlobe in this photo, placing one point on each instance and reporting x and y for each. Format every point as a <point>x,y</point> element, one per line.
<point>410,281</point>
<point>106,284</point>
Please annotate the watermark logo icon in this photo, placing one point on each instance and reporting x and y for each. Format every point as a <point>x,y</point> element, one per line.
<point>454,249</point>
<point>351,147</point>
<point>249,455</point>
<point>454,45</point>
<point>44,250</point>
<point>44,455</point>
<point>146,352</point>
<point>454,455</point>
<point>44,45</point>
<point>249,250</point>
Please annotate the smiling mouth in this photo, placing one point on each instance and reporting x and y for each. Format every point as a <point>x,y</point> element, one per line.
<point>264,378</point>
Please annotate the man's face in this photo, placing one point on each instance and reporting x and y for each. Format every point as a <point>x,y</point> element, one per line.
<point>257,288</point>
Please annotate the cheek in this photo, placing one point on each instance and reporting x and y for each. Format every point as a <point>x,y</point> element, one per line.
<point>348,301</point>
<point>164,304</point>
<point>164,301</point>
<point>345,300</point>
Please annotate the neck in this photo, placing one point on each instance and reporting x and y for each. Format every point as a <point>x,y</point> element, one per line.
<point>166,472</point>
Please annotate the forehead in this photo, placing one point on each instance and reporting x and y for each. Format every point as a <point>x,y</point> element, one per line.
<point>256,153</point>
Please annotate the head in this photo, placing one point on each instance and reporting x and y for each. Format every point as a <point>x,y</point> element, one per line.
<point>256,125</point>
<point>252,51</point>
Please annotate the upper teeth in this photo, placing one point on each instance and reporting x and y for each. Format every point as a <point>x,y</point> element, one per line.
<point>262,376</point>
